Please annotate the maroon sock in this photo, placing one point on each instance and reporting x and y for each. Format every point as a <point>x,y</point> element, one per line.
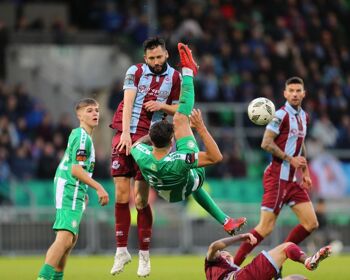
<point>122,223</point>
<point>144,225</point>
<point>246,248</point>
<point>298,234</point>
<point>294,252</point>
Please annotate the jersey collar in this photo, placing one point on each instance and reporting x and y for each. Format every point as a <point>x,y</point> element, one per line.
<point>148,72</point>
<point>291,110</point>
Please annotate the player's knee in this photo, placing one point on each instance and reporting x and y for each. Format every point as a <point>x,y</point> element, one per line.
<point>312,225</point>
<point>266,228</point>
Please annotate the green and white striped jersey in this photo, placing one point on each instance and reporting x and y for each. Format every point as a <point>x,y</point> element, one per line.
<point>70,192</point>
<point>176,175</point>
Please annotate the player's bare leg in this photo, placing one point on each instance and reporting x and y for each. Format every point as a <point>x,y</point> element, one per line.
<point>263,229</point>
<point>62,263</point>
<point>266,223</point>
<point>63,242</point>
<point>292,251</point>
<point>122,223</point>
<point>306,215</point>
<point>144,225</point>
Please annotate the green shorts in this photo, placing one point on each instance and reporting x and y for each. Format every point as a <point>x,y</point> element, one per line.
<point>68,220</point>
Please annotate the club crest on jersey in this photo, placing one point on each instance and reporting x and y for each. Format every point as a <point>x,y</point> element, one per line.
<point>190,158</point>
<point>115,164</point>
<point>153,167</point>
<point>81,155</point>
<point>74,223</point>
<point>191,144</point>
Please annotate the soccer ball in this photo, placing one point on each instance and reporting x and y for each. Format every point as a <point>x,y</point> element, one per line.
<point>261,110</point>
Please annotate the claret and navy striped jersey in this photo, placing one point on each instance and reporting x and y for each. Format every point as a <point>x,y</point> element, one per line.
<point>164,88</point>
<point>291,126</point>
<point>70,192</point>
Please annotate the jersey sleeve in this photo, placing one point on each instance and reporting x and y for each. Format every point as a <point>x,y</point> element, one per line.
<point>186,155</point>
<point>275,124</point>
<point>175,89</point>
<point>130,80</point>
<point>80,148</point>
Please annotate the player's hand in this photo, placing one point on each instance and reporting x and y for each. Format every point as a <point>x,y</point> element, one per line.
<point>307,183</point>
<point>249,238</point>
<point>103,197</point>
<point>153,106</point>
<point>124,142</point>
<point>298,162</point>
<point>196,119</point>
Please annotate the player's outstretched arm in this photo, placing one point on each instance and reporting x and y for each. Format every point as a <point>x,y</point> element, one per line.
<point>269,145</point>
<point>79,172</point>
<point>212,154</point>
<point>221,244</point>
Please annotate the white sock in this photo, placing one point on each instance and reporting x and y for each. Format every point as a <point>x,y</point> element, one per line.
<point>187,71</point>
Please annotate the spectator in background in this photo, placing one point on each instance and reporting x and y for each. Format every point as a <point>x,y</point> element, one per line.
<point>116,95</point>
<point>343,141</point>
<point>21,162</point>
<point>64,127</point>
<point>45,127</point>
<point>324,130</point>
<point>3,44</point>
<point>332,182</point>
<point>47,162</point>
<point>5,174</point>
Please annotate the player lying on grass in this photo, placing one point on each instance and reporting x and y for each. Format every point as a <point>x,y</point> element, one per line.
<point>72,178</point>
<point>219,264</point>
<point>176,175</point>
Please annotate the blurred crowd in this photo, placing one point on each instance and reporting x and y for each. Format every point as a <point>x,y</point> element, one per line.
<point>245,49</point>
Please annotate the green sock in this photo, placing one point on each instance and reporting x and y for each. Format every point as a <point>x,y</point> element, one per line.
<point>46,272</point>
<point>58,275</point>
<point>205,200</point>
<point>187,96</point>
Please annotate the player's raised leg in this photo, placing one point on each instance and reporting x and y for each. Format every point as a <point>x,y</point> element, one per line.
<point>182,129</point>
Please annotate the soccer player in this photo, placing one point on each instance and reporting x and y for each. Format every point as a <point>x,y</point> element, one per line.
<point>151,90</point>
<point>284,139</point>
<point>176,175</point>
<point>72,178</point>
<point>219,264</point>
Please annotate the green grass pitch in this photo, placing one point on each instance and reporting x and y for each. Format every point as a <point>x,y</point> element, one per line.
<point>164,267</point>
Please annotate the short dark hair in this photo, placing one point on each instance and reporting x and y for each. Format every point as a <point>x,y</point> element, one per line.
<point>152,43</point>
<point>84,103</point>
<point>161,134</point>
<point>295,80</point>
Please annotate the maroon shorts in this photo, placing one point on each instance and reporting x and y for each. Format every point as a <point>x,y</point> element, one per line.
<point>278,192</point>
<point>259,268</point>
<point>121,164</point>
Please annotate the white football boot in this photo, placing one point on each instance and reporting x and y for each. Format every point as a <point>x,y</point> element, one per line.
<point>121,258</point>
<point>144,264</point>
